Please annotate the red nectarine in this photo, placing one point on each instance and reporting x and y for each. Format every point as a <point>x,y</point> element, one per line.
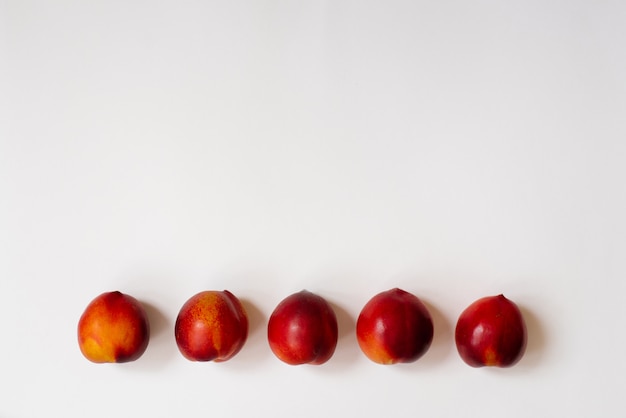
<point>394,327</point>
<point>303,329</point>
<point>211,326</point>
<point>491,332</point>
<point>113,329</point>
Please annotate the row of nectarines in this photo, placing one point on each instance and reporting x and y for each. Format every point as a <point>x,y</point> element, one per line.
<point>393,327</point>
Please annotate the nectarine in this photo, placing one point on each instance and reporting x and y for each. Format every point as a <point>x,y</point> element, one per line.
<point>113,329</point>
<point>211,326</point>
<point>303,329</point>
<point>491,332</point>
<point>394,327</point>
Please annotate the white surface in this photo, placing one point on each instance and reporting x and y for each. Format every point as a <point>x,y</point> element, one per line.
<point>454,149</point>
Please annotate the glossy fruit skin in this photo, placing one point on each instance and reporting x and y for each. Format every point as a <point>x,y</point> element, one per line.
<point>114,328</point>
<point>394,327</point>
<point>491,332</point>
<point>211,326</point>
<point>303,329</point>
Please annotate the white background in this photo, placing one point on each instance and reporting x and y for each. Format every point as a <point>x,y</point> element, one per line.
<point>454,149</point>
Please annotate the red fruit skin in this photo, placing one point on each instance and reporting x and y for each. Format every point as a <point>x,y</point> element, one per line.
<point>211,326</point>
<point>491,332</point>
<point>303,329</point>
<point>114,328</point>
<point>394,327</point>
